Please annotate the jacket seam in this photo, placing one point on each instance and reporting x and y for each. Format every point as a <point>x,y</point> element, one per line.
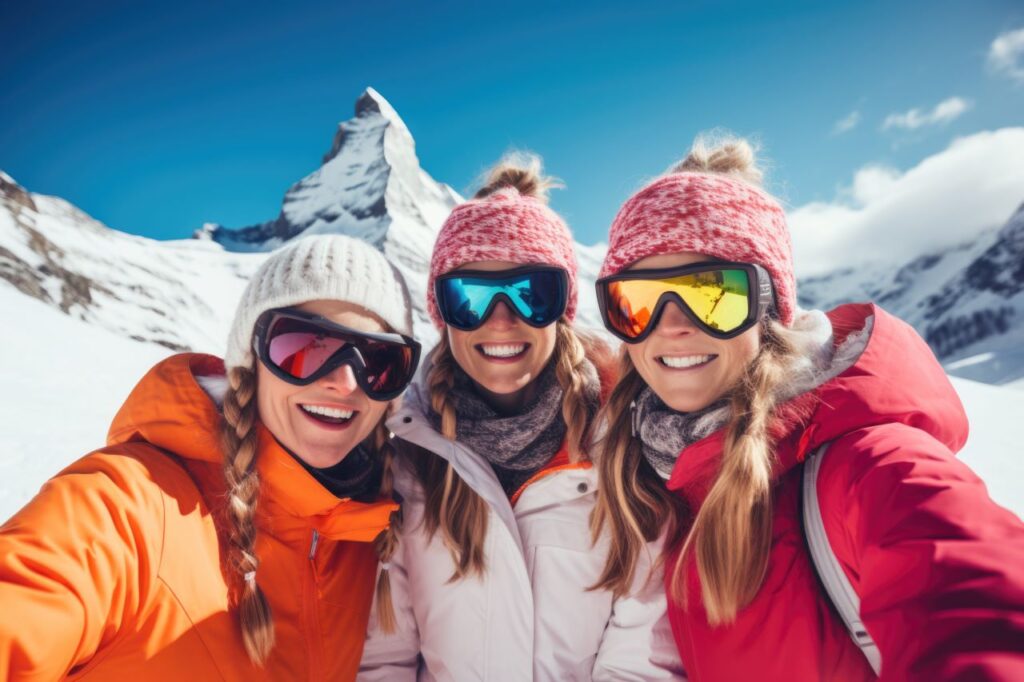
<point>192,624</point>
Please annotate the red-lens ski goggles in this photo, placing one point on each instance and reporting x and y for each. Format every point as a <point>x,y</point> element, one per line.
<point>299,348</point>
<point>722,299</point>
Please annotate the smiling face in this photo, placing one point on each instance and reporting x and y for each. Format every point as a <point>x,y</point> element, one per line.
<point>503,355</point>
<point>687,368</point>
<point>322,422</point>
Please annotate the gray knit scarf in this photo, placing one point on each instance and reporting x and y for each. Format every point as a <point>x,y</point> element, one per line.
<point>665,433</point>
<point>517,445</point>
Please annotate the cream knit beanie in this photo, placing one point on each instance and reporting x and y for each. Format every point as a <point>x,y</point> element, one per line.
<point>323,267</point>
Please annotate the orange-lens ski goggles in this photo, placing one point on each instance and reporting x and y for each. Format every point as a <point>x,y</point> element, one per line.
<point>722,299</point>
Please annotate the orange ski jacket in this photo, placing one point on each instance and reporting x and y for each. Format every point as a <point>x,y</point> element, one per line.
<point>117,570</point>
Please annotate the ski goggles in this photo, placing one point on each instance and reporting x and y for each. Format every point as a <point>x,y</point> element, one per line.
<point>299,348</point>
<point>722,299</point>
<point>536,294</point>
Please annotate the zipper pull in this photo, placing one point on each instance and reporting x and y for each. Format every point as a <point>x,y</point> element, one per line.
<point>634,426</point>
<point>314,543</point>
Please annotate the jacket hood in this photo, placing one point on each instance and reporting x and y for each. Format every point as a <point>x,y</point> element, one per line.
<point>895,379</point>
<point>171,409</point>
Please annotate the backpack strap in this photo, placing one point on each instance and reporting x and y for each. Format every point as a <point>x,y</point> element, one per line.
<point>837,585</point>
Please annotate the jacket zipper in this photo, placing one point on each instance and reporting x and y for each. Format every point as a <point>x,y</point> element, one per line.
<point>312,620</point>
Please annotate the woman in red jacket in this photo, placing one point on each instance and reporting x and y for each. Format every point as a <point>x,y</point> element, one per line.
<point>231,527</point>
<point>727,387</point>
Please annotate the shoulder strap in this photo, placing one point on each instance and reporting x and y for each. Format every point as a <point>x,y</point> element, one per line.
<point>837,585</point>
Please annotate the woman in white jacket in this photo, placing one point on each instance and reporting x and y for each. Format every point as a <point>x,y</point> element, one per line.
<point>495,561</point>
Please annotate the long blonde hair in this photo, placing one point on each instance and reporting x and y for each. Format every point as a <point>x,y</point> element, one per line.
<point>239,443</point>
<point>452,508</point>
<point>730,536</point>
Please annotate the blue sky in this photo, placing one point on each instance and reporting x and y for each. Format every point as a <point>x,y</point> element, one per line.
<point>155,118</point>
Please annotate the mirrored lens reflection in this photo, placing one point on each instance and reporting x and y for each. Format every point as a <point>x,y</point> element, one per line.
<point>299,350</point>
<point>718,298</point>
<point>535,296</point>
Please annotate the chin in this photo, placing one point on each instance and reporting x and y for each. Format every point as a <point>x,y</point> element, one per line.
<point>323,457</point>
<point>321,453</point>
<point>504,385</point>
<point>686,402</point>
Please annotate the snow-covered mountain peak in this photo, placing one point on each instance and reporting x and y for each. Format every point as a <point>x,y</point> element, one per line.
<point>373,101</point>
<point>371,186</point>
<point>373,113</point>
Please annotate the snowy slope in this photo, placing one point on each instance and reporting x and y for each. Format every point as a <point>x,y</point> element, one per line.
<point>64,380</point>
<point>993,450</point>
<point>179,294</point>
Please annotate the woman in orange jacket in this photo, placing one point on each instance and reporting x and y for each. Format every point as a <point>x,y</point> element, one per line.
<point>232,526</point>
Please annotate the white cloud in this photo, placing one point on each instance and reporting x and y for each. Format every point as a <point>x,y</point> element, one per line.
<point>1006,54</point>
<point>872,182</point>
<point>891,216</point>
<point>944,112</point>
<point>847,123</point>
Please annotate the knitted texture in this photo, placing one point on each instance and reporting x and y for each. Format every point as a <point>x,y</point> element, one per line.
<point>323,267</point>
<point>716,215</point>
<point>503,226</point>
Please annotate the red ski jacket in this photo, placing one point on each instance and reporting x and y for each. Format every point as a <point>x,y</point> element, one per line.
<point>938,566</point>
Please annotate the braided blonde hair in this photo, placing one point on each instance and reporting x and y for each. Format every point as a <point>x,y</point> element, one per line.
<point>387,541</point>
<point>239,443</point>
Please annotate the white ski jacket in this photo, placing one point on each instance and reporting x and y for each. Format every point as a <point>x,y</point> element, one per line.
<point>530,616</point>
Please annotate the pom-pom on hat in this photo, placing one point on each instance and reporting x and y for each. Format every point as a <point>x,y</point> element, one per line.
<point>323,267</point>
<point>507,226</point>
<point>720,215</point>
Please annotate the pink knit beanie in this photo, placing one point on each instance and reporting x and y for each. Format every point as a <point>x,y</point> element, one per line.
<point>714,214</point>
<point>503,226</point>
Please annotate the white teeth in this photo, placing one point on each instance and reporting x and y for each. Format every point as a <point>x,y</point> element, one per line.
<point>331,412</point>
<point>507,350</point>
<point>677,362</point>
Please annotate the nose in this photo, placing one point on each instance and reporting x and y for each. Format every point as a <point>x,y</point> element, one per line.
<point>674,321</point>
<point>501,317</point>
<point>341,379</point>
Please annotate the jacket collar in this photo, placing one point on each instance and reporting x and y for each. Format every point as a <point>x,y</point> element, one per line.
<point>171,409</point>
<point>411,424</point>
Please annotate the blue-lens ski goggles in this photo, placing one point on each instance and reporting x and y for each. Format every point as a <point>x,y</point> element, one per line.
<point>538,294</point>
